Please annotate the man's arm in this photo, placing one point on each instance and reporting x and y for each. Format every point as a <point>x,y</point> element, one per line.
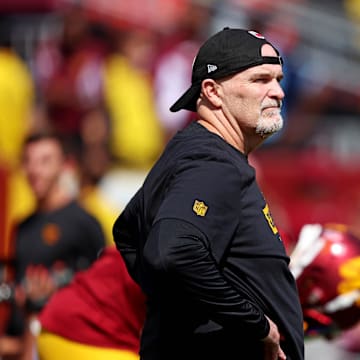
<point>179,250</point>
<point>126,236</point>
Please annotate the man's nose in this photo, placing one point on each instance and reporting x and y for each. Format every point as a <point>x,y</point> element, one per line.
<point>276,91</point>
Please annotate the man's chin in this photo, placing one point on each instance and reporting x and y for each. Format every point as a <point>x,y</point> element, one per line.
<point>265,130</point>
<point>265,133</point>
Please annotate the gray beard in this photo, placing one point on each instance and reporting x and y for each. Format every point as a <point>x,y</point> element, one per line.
<point>264,129</point>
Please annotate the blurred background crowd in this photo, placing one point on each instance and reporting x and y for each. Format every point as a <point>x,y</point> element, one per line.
<point>102,74</point>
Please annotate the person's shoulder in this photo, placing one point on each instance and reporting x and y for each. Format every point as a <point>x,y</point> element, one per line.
<point>195,142</point>
<point>26,221</point>
<point>201,148</point>
<point>197,152</point>
<point>76,210</point>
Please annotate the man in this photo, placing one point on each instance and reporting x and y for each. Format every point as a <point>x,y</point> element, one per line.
<point>59,238</point>
<point>198,236</point>
<point>60,232</point>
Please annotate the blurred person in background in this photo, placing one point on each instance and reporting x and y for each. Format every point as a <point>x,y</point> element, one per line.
<point>98,316</point>
<point>173,63</point>
<point>59,237</point>
<point>95,162</point>
<point>17,93</point>
<point>136,132</point>
<point>68,70</point>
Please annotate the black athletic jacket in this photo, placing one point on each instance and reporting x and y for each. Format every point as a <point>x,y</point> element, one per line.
<point>199,238</point>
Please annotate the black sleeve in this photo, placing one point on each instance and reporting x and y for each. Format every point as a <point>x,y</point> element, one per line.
<point>208,195</point>
<point>126,236</point>
<point>182,252</point>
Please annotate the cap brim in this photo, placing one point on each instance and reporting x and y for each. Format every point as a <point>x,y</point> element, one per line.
<point>188,100</point>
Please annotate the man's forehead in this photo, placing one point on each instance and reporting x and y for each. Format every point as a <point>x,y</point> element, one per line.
<point>274,70</point>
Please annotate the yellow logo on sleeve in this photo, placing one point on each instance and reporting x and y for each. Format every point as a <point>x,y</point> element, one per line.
<point>200,208</point>
<point>269,219</point>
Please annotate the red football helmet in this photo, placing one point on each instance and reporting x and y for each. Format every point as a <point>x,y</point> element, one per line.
<point>326,265</point>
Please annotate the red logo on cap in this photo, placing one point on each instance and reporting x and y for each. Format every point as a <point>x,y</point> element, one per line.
<point>256,34</point>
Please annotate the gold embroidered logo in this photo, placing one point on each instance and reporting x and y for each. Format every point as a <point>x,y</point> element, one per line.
<point>269,219</point>
<point>200,208</point>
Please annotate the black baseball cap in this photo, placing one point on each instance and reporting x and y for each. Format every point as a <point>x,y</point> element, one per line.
<point>227,52</point>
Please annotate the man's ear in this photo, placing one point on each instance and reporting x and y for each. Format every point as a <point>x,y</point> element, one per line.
<point>210,91</point>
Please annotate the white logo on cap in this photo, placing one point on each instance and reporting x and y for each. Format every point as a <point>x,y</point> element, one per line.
<point>211,68</point>
<point>256,34</point>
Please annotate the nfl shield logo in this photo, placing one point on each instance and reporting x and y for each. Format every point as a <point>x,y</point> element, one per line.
<point>200,208</point>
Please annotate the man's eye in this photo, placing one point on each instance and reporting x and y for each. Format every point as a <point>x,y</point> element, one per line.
<point>261,80</point>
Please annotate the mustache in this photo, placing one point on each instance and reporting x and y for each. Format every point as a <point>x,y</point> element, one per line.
<point>274,103</point>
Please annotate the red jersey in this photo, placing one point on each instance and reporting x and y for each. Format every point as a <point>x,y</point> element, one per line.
<point>102,306</point>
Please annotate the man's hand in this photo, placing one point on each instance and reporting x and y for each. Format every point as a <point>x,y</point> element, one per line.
<point>272,349</point>
<point>39,284</point>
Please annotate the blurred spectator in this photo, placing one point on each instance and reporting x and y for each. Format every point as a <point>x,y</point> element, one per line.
<point>136,134</point>
<point>94,164</point>
<point>173,65</point>
<point>16,99</point>
<point>68,72</point>
<point>318,97</point>
<point>316,113</point>
<point>99,315</point>
<point>60,237</point>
